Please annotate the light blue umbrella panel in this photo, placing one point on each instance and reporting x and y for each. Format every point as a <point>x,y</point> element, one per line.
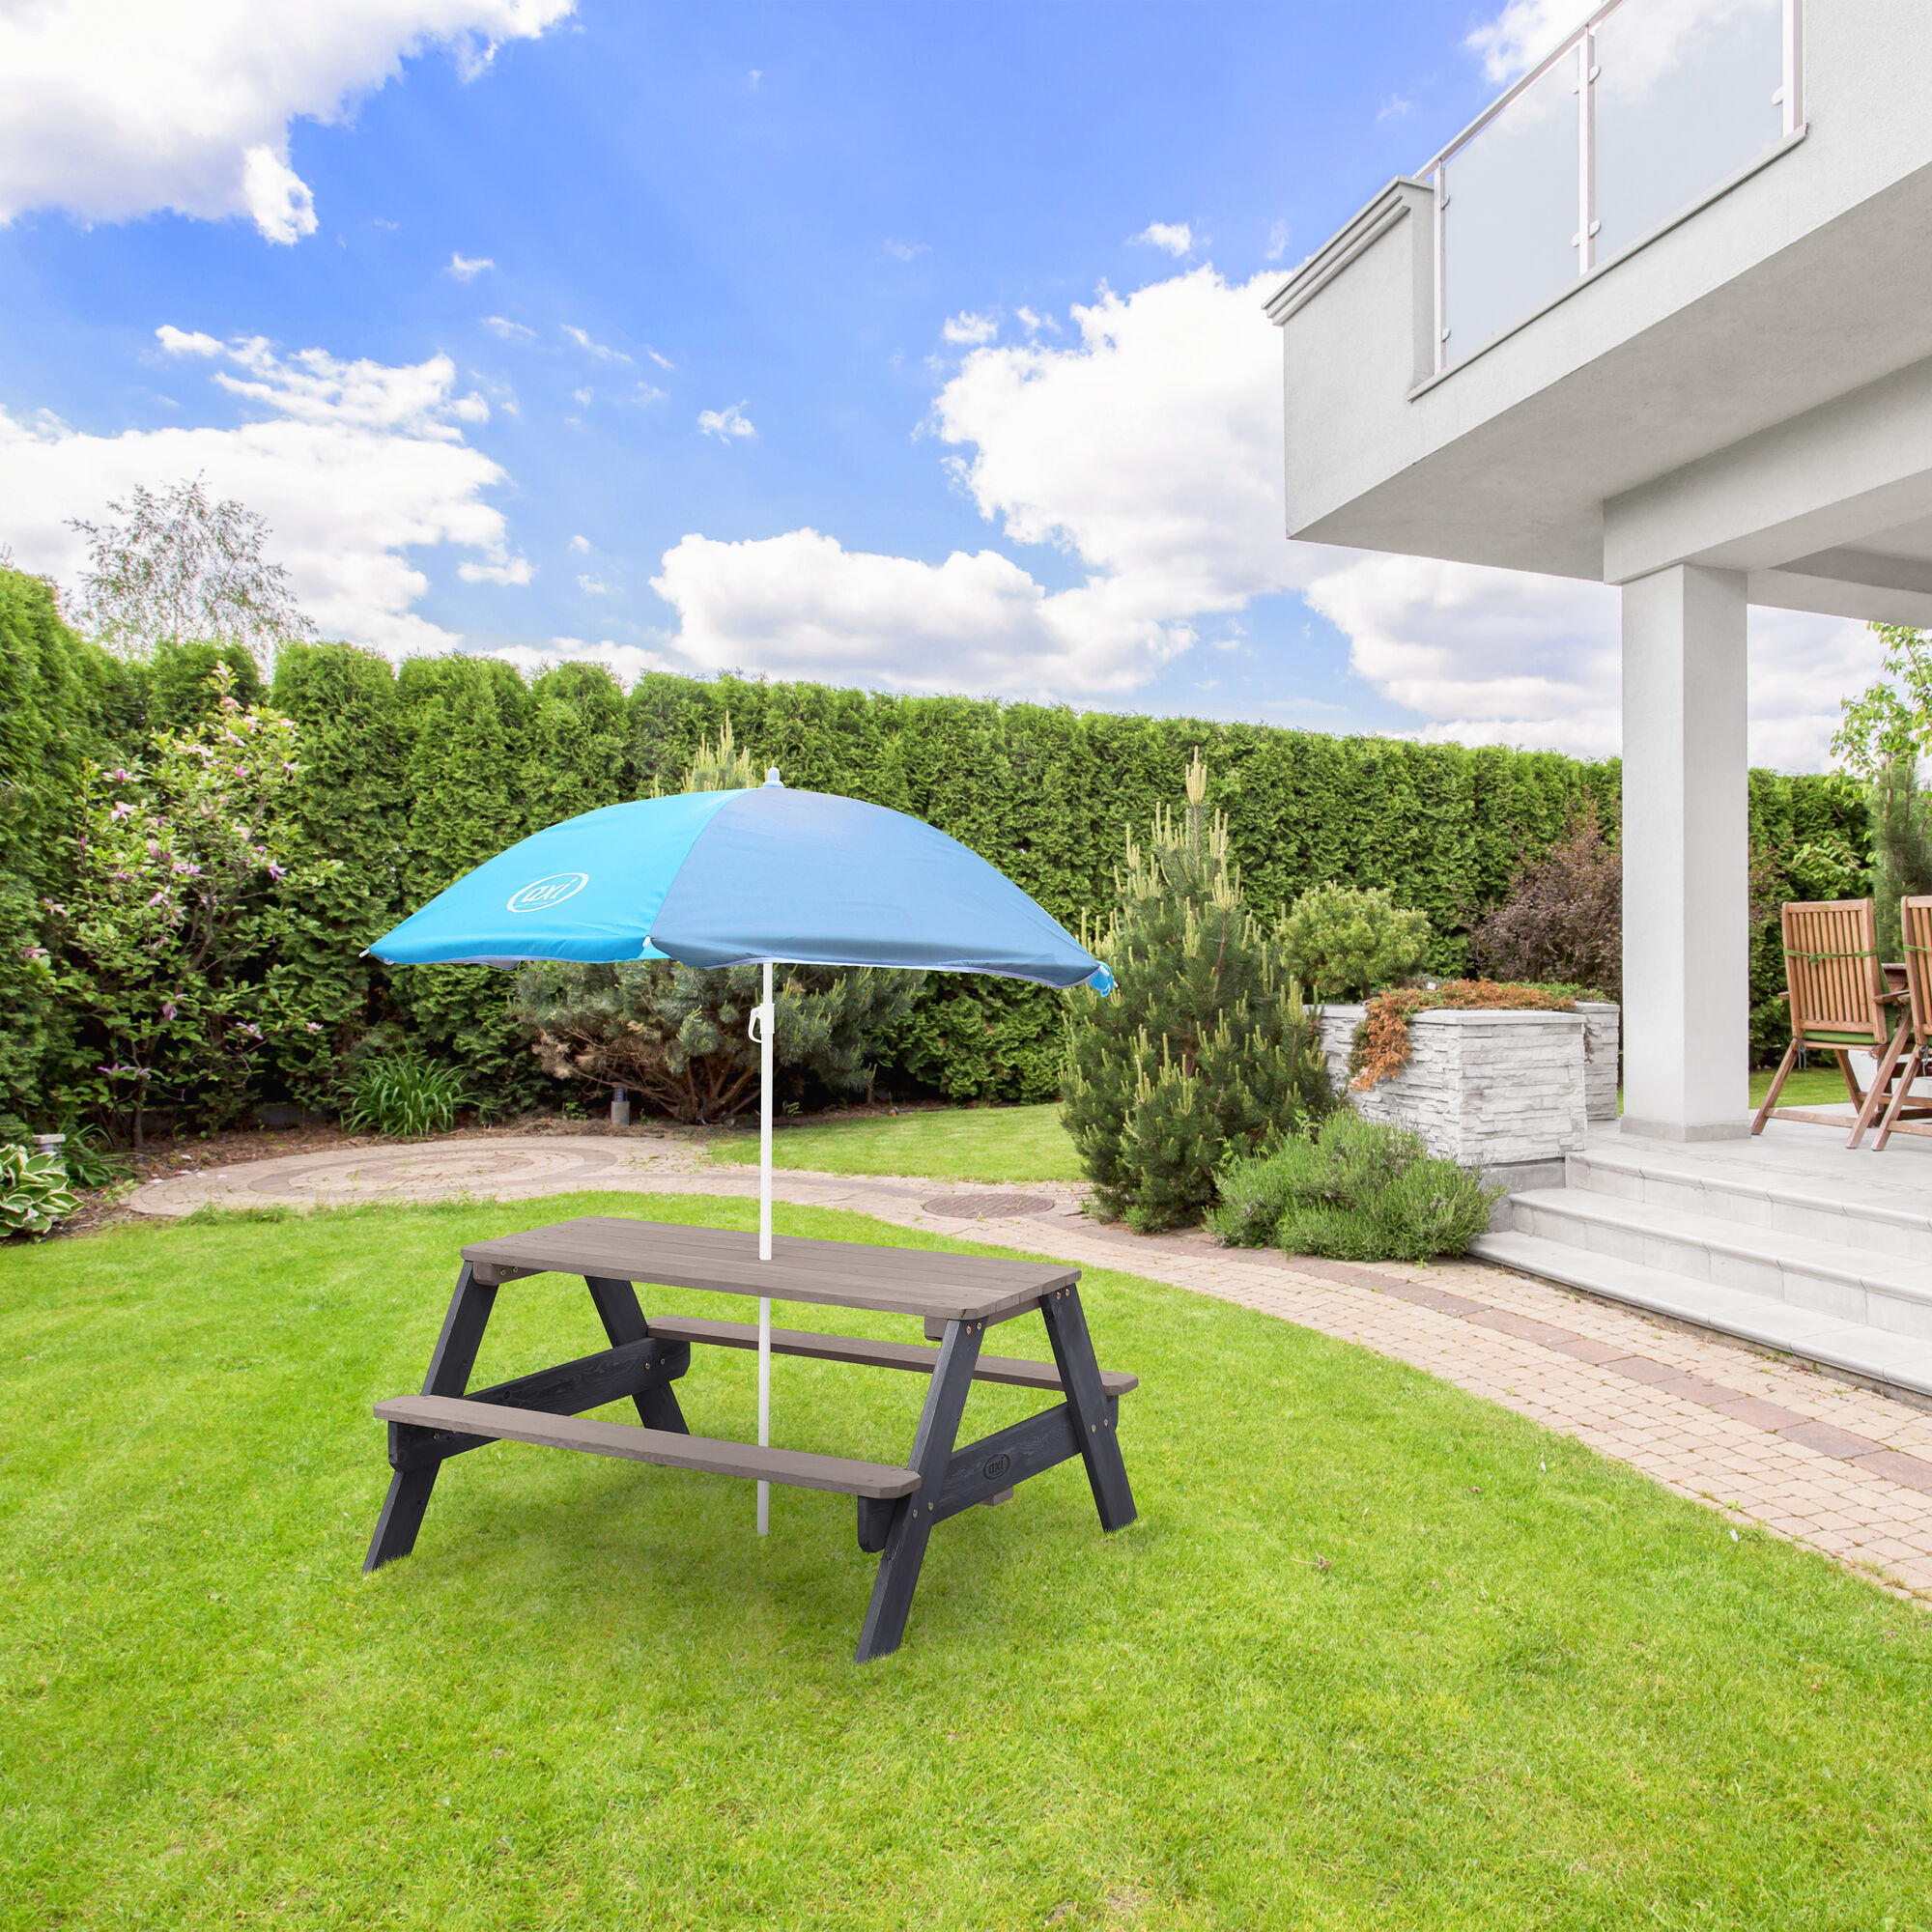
<point>719,878</point>
<point>725,878</point>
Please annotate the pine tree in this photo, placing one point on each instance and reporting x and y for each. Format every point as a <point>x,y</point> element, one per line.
<point>1204,1049</point>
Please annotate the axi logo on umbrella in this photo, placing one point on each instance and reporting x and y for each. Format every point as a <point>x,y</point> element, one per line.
<point>540,895</point>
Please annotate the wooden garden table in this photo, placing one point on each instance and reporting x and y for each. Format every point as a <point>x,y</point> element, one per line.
<point>957,1296</point>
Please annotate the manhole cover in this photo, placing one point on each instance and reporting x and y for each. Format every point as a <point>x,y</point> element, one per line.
<point>986,1207</point>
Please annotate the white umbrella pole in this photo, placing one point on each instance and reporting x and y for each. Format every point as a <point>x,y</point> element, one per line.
<point>767,1025</point>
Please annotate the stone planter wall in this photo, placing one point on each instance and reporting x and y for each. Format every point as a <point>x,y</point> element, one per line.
<point>1504,1092</point>
<point>1602,1028</point>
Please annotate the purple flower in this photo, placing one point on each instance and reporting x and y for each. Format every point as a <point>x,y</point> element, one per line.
<point>167,1009</point>
<point>276,871</point>
<point>161,898</point>
<point>313,1026</point>
<point>122,810</point>
<point>122,772</point>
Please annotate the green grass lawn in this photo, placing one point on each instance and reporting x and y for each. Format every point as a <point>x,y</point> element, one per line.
<point>1376,1654</point>
<point>946,1143</point>
<point>1808,1086</point>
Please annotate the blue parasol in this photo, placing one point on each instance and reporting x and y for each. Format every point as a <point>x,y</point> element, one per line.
<point>724,878</point>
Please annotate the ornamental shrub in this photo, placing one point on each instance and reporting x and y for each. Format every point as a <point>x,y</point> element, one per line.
<point>1204,1045</point>
<point>34,1190</point>
<point>182,885</point>
<point>1564,917</point>
<point>1341,943</point>
<point>401,1094</point>
<point>1360,1191</point>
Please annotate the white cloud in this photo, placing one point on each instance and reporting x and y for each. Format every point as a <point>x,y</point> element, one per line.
<point>1394,109</point>
<point>353,464</point>
<point>593,586</point>
<point>1032,324</point>
<point>278,201</point>
<point>596,349</point>
<point>1526,29</point>
<point>625,662</point>
<point>662,361</point>
<point>726,424</point>
<point>510,331</point>
<point>1176,237</point>
<point>178,342</point>
<point>513,570</point>
<point>802,606</point>
<point>1150,450</point>
<point>644,395</point>
<point>1497,657</point>
<point>112,111</point>
<point>906,251</point>
<point>970,329</point>
<point>463,269</point>
<point>1277,247</point>
<point>580,397</point>
<point>580,544</point>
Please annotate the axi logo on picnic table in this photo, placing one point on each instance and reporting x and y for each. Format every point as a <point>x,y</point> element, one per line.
<point>540,895</point>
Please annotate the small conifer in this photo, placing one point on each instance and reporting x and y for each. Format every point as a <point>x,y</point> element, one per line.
<point>1204,1049</point>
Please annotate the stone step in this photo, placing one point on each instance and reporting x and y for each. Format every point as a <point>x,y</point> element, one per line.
<point>1894,1361</point>
<point>1877,1291</point>
<point>1873,1207</point>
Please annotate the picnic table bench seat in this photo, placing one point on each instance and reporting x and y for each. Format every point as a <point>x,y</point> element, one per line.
<point>899,1506</point>
<point>665,1447</point>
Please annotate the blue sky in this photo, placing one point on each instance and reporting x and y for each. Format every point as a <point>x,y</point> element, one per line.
<point>502,309</point>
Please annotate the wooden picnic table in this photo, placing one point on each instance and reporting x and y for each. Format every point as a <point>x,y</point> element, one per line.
<point>957,1297</point>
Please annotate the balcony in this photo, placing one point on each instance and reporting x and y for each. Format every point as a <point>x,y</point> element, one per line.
<point>1649,109</point>
<point>1686,243</point>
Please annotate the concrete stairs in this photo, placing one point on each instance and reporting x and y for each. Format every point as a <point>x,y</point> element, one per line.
<point>1834,1268</point>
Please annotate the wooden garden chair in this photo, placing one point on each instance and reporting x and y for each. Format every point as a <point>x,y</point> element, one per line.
<point>1915,919</point>
<point>1835,987</point>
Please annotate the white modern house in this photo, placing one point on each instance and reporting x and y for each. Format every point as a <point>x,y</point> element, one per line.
<point>1661,317</point>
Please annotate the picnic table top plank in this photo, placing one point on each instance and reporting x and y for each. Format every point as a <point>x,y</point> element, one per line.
<point>839,1274</point>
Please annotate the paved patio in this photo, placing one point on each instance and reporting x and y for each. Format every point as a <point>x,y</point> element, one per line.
<point>1820,1462</point>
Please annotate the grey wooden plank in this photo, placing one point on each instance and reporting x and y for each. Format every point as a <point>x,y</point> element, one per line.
<point>912,1521</point>
<point>993,1465</point>
<point>449,1365</point>
<point>616,1305</point>
<point>568,1389</point>
<point>848,1274</point>
<point>1097,1420</point>
<point>664,1447</point>
<point>1008,1368</point>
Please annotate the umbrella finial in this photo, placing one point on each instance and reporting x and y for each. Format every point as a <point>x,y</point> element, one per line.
<point>772,777</point>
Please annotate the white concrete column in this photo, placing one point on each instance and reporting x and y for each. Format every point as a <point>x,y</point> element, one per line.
<point>1685,849</point>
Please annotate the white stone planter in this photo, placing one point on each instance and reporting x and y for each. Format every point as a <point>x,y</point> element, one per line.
<point>1602,1032</point>
<point>1505,1091</point>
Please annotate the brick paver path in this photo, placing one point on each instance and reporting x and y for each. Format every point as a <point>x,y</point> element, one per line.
<point>1840,1468</point>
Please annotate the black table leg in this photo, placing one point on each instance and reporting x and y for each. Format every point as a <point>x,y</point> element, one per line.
<point>912,1515</point>
<point>448,1375</point>
<point>624,1321</point>
<point>1086,1397</point>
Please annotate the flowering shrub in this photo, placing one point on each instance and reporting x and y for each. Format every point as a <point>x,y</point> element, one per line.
<point>183,889</point>
<point>1381,1042</point>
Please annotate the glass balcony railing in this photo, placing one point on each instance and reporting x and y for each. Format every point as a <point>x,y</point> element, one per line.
<point>1641,113</point>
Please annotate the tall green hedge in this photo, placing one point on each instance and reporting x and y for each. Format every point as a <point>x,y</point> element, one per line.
<point>410,779</point>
